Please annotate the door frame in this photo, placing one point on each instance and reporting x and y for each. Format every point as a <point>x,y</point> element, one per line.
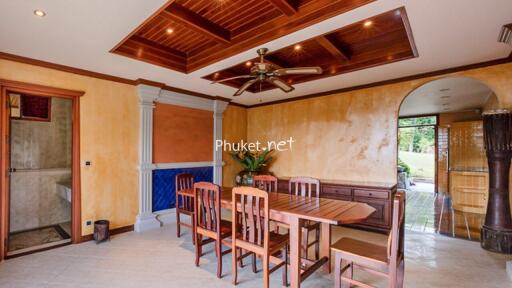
<point>8,86</point>
<point>436,152</point>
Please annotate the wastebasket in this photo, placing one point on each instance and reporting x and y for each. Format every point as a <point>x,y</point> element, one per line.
<point>101,231</point>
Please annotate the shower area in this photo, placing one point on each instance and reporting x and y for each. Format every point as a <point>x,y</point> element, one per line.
<point>40,145</point>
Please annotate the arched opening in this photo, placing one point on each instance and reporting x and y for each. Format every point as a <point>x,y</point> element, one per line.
<point>441,158</point>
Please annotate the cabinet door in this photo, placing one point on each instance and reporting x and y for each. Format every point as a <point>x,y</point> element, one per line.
<point>381,217</point>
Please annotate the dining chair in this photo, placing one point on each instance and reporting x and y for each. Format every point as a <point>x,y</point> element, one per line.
<point>307,187</point>
<point>185,203</point>
<point>209,222</point>
<point>265,182</point>
<point>380,260</point>
<point>252,232</point>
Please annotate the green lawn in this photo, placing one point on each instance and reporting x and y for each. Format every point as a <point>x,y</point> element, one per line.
<point>422,164</point>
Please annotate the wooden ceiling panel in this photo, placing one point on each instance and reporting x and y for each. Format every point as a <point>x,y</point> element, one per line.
<point>207,31</point>
<point>358,46</point>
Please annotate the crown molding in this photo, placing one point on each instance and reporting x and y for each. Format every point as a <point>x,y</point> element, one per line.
<point>179,91</point>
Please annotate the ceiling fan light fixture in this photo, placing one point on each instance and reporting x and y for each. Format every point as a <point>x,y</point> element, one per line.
<point>297,47</point>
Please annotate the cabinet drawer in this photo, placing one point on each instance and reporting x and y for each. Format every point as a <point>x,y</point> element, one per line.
<point>379,194</point>
<point>336,191</point>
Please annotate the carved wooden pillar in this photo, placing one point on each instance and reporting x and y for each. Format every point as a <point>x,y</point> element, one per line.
<point>496,234</point>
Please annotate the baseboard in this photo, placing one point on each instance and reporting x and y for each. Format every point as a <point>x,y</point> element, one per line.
<point>114,231</point>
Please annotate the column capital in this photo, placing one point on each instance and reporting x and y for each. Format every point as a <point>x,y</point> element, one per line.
<point>219,106</point>
<point>148,94</point>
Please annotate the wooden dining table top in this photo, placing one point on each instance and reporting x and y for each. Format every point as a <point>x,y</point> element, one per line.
<point>324,210</point>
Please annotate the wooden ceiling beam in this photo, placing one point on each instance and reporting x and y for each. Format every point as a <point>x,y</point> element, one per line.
<point>178,13</point>
<point>285,6</point>
<point>333,49</point>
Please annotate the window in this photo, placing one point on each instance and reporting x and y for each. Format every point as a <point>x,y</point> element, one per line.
<point>417,121</point>
<point>27,107</point>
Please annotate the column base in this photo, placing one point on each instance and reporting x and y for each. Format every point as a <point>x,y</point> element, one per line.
<point>167,216</point>
<point>496,240</point>
<point>146,222</point>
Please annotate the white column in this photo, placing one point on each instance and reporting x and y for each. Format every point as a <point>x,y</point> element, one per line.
<point>146,219</point>
<point>218,109</point>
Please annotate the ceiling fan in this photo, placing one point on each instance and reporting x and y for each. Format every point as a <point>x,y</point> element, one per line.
<point>266,72</point>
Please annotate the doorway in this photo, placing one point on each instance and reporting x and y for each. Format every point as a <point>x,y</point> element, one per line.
<point>417,154</point>
<point>442,165</point>
<point>40,192</point>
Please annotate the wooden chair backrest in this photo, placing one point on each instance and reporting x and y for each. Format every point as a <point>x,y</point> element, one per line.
<point>208,211</point>
<point>395,238</point>
<point>184,181</point>
<point>304,186</point>
<point>265,182</point>
<point>250,208</point>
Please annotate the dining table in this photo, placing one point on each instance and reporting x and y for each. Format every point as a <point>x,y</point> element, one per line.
<point>293,211</point>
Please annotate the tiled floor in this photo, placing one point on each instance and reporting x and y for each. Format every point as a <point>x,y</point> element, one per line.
<point>158,259</point>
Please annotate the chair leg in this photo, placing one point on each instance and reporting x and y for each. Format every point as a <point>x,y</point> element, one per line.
<point>337,270</point>
<point>266,279</point>
<point>317,245</point>
<point>400,275</point>
<point>218,249</point>
<point>241,261</point>
<point>285,267</point>
<point>305,242</point>
<point>467,225</point>
<point>453,223</point>
<point>234,267</point>
<point>198,249</point>
<point>392,280</point>
<point>254,267</point>
<point>178,232</point>
<point>193,220</point>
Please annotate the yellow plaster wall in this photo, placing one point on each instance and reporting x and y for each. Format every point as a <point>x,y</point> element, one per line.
<point>109,131</point>
<point>234,129</point>
<point>352,135</point>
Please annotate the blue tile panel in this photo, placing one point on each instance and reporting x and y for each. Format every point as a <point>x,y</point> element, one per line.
<point>164,184</point>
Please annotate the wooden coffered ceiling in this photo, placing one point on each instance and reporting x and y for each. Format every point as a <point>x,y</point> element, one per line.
<point>378,40</point>
<point>186,35</point>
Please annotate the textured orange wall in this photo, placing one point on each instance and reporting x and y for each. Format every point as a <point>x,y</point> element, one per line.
<point>352,135</point>
<point>233,132</point>
<point>182,134</point>
<point>109,133</point>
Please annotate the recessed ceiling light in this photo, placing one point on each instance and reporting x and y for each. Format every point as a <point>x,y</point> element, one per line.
<point>39,13</point>
<point>248,63</point>
<point>368,23</point>
<point>169,31</point>
<point>216,75</point>
<point>297,47</point>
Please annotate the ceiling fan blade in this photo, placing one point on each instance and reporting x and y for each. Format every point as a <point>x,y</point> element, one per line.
<point>280,84</point>
<point>244,87</point>
<point>298,70</point>
<point>232,78</point>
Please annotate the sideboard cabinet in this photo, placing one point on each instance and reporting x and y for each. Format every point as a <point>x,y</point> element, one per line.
<point>377,195</point>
